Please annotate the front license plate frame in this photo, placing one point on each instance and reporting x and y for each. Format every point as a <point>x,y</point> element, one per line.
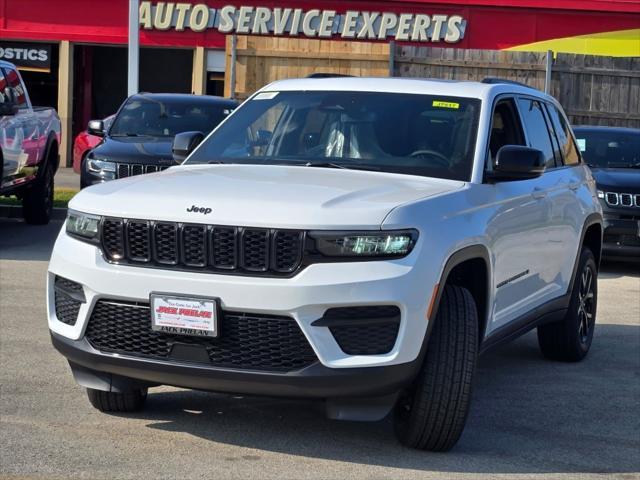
<point>177,314</point>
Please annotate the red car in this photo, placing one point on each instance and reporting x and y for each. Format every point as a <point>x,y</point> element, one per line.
<point>85,142</point>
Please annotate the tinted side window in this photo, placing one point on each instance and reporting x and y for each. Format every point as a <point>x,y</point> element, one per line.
<point>14,88</point>
<point>567,146</point>
<point>505,127</point>
<point>535,125</point>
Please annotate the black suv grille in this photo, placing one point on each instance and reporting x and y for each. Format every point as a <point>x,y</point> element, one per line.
<point>246,341</point>
<point>68,297</point>
<point>207,248</point>
<point>125,170</point>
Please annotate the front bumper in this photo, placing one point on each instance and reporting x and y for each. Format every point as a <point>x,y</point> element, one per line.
<point>304,298</point>
<point>111,372</point>
<point>621,237</point>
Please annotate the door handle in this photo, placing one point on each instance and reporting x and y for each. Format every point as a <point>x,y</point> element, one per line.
<point>538,193</point>
<point>574,185</point>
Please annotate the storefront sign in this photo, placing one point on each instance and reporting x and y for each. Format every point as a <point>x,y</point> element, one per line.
<point>358,25</point>
<point>27,56</point>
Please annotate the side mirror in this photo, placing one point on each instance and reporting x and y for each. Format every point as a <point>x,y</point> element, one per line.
<point>8,109</point>
<point>96,127</point>
<point>184,143</point>
<point>515,162</point>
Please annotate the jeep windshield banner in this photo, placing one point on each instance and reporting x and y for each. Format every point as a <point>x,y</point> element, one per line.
<point>27,56</point>
<point>315,23</point>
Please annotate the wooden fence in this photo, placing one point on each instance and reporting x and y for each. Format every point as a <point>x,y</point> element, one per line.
<point>261,60</point>
<point>593,90</point>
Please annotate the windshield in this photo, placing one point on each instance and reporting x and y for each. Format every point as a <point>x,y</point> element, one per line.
<point>165,118</point>
<point>609,149</point>
<point>402,133</point>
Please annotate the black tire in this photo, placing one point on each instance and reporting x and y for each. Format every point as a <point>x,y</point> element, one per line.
<point>37,203</point>
<point>432,415</point>
<point>131,401</point>
<point>569,340</point>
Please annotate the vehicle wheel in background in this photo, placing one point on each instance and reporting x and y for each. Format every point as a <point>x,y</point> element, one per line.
<point>569,340</point>
<point>37,203</point>
<point>432,416</point>
<point>117,402</point>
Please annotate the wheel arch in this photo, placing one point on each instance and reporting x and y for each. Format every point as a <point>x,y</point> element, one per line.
<point>469,267</point>
<point>51,148</point>
<point>591,236</point>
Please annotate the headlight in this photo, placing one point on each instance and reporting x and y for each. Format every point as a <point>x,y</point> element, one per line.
<point>101,167</point>
<point>600,194</point>
<point>365,244</point>
<point>83,225</point>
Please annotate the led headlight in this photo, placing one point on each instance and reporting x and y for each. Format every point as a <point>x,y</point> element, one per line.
<point>600,194</point>
<point>391,243</point>
<point>101,167</point>
<point>83,225</point>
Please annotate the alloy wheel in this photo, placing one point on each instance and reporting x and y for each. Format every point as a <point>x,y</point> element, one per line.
<point>586,314</point>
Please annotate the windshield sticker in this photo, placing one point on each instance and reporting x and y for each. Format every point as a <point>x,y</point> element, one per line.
<point>441,104</point>
<point>265,96</point>
<point>582,144</point>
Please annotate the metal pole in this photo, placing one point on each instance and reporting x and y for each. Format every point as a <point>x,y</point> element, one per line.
<point>392,58</point>
<point>134,48</point>
<point>232,76</point>
<point>547,72</point>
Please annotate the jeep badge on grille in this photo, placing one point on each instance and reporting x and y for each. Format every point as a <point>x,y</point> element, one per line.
<point>194,209</point>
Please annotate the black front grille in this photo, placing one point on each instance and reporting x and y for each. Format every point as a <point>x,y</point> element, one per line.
<point>125,170</point>
<point>363,330</point>
<point>246,341</point>
<point>68,297</point>
<point>207,248</point>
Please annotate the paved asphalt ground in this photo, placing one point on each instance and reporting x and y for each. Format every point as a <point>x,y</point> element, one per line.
<point>531,418</point>
<point>67,178</point>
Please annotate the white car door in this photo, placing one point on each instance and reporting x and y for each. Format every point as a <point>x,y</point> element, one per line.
<point>521,228</point>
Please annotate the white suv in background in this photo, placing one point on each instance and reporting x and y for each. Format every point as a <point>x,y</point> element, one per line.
<point>354,240</point>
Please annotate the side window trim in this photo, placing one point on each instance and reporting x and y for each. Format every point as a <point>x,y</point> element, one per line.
<point>544,117</point>
<point>555,142</point>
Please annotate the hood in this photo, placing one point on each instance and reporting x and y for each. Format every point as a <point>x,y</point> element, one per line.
<point>617,179</point>
<point>260,196</point>
<point>147,150</point>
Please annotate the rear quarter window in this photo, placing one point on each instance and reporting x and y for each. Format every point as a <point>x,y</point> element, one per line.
<point>568,148</point>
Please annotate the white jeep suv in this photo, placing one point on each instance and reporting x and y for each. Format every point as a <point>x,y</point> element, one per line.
<point>354,240</point>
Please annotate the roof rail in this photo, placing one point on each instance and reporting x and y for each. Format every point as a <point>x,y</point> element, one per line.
<point>327,75</point>
<point>496,80</point>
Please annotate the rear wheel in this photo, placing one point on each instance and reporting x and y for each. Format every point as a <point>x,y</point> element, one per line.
<point>37,203</point>
<point>130,401</point>
<point>569,340</point>
<point>433,414</point>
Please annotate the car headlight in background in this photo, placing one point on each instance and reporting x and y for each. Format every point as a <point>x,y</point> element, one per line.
<point>103,168</point>
<point>600,194</point>
<point>83,225</point>
<point>393,243</point>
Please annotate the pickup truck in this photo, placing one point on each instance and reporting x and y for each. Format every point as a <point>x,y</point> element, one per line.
<point>29,139</point>
<point>354,240</point>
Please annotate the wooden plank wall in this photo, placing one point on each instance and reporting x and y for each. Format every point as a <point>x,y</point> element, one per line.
<point>261,60</point>
<point>593,90</point>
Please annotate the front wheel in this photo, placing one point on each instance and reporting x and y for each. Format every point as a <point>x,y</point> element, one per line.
<point>433,414</point>
<point>569,340</point>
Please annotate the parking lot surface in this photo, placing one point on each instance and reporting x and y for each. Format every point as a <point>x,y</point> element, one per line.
<point>531,418</point>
